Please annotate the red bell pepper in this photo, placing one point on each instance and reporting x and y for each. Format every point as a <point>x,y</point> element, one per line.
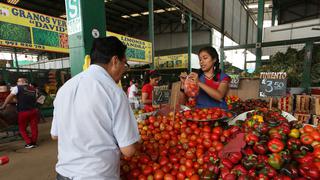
<point>251,139</point>
<point>235,157</point>
<point>275,145</point>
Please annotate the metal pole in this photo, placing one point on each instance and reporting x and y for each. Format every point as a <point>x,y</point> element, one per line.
<point>246,49</point>
<point>274,14</point>
<point>306,78</point>
<point>223,4</point>
<point>259,35</point>
<point>151,31</point>
<point>16,59</point>
<point>189,41</point>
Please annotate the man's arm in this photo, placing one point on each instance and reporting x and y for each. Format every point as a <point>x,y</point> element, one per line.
<point>54,137</point>
<point>130,150</point>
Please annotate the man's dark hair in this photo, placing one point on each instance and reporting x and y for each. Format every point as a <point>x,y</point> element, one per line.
<point>103,49</point>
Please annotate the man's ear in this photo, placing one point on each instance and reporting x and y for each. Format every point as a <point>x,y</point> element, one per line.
<point>114,60</point>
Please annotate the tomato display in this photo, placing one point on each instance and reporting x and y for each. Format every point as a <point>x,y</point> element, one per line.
<point>174,148</point>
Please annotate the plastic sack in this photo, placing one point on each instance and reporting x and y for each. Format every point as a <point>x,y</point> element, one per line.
<point>191,88</point>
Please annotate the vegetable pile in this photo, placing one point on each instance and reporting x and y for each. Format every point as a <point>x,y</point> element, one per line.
<point>179,149</point>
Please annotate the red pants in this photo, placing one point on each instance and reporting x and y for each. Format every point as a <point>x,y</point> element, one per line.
<point>24,118</point>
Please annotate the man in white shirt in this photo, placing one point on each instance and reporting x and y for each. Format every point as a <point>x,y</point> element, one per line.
<point>93,120</point>
<point>132,94</point>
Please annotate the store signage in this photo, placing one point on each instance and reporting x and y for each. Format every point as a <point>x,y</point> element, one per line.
<point>272,84</point>
<point>73,16</point>
<point>27,29</point>
<point>235,81</point>
<point>160,95</point>
<point>137,50</point>
<point>176,61</point>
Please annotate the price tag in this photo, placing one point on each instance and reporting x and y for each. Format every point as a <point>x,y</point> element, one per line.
<point>160,95</point>
<point>235,81</point>
<point>272,84</point>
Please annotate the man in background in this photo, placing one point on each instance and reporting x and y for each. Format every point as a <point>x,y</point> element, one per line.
<point>27,110</point>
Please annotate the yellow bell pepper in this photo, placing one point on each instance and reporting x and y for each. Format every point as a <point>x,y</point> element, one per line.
<point>258,118</point>
<point>294,133</point>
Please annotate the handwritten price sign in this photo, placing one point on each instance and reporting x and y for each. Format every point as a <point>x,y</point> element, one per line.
<point>272,84</point>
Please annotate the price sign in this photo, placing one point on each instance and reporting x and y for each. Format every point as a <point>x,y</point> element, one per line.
<point>160,95</point>
<point>272,84</point>
<point>235,81</point>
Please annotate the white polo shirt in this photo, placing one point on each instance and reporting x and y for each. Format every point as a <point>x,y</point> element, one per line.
<point>92,119</point>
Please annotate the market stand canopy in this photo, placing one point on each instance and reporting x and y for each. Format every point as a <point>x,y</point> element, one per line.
<point>27,29</point>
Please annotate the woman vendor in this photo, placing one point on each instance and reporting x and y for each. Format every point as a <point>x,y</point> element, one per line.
<point>213,83</point>
<point>151,80</point>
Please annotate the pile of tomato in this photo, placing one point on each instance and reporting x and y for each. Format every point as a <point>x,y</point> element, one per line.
<point>174,148</point>
<point>198,114</point>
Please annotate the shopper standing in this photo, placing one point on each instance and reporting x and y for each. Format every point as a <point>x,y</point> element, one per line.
<point>93,120</point>
<point>27,110</point>
<point>133,93</point>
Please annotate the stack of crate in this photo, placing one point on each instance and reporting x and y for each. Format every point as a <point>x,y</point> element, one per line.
<point>302,112</point>
<point>315,109</point>
<point>286,104</point>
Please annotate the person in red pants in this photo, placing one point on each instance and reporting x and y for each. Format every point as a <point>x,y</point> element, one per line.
<point>27,111</point>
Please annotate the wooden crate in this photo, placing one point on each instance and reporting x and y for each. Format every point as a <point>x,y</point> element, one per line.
<point>303,118</point>
<point>315,120</point>
<point>303,104</point>
<point>315,104</point>
<point>286,104</point>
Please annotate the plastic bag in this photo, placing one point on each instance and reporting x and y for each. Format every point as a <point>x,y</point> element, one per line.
<point>191,88</point>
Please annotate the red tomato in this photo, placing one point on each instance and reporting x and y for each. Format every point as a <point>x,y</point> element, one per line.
<point>189,172</point>
<point>147,170</point>
<point>181,176</point>
<point>189,163</point>
<point>163,161</point>
<point>217,130</point>
<point>194,177</point>
<point>226,133</point>
<point>158,175</point>
<point>206,129</point>
<point>142,177</point>
<point>169,177</point>
<point>315,135</point>
<point>182,168</point>
<point>207,143</point>
<point>215,137</point>
<point>189,154</point>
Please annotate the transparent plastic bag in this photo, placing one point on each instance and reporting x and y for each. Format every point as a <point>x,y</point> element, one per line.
<point>191,88</point>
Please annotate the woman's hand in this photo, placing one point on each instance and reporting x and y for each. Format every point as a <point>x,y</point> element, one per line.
<point>194,76</point>
<point>183,77</point>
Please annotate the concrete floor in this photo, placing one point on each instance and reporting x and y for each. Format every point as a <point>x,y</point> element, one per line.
<point>30,164</point>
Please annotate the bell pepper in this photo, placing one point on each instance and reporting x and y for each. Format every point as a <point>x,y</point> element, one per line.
<point>262,161</point>
<point>303,157</point>
<point>309,171</point>
<point>226,163</point>
<point>293,144</point>
<point>258,118</point>
<point>239,170</point>
<point>249,161</point>
<point>286,156</point>
<point>260,148</point>
<point>294,133</point>
<point>275,161</point>
<point>275,145</point>
<point>290,170</point>
<point>250,122</point>
<point>316,152</point>
<point>252,173</point>
<point>235,157</point>
<point>251,138</point>
<point>307,148</point>
<point>306,139</point>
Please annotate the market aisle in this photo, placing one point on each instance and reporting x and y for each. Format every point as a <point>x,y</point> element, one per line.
<point>30,164</point>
